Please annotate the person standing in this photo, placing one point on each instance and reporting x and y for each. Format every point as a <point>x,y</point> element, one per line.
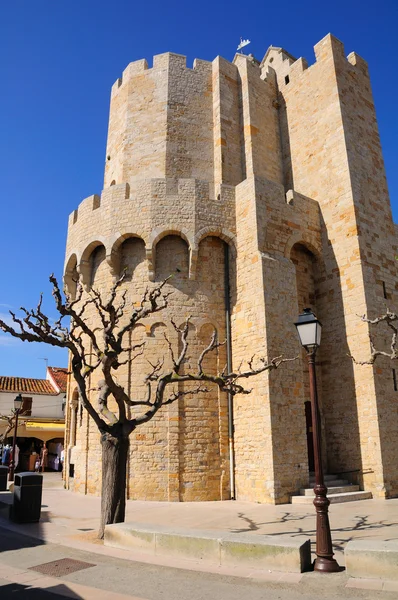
<point>16,458</point>
<point>43,457</point>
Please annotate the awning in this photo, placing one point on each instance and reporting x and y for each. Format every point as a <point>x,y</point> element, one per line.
<point>44,426</point>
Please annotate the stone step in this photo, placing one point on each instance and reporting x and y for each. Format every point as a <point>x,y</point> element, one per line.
<point>327,477</point>
<point>331,484</point>
<point>334,498</point>
<point>264,552</point>
<point>338,489</point>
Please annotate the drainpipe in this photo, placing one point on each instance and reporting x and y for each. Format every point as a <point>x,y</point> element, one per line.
<point>229,369</point>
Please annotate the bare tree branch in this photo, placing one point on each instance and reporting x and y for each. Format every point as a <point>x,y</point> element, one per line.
<point>389,318</point>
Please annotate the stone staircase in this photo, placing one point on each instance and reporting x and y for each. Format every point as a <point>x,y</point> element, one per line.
<point>339,490</point>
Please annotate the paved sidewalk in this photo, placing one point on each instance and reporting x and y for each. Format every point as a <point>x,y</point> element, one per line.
<point>73,519</point>
<point>25,562</point>
<point>70,521</point>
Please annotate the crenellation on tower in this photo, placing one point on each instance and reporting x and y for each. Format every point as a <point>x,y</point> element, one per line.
<point>274,169</point>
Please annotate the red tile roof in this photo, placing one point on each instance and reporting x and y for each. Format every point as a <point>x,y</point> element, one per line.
<point>60,376</point>
<point>22,384</point>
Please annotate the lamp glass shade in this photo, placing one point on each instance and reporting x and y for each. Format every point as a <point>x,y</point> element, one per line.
<point>309,329</point>
<point>18,402</point>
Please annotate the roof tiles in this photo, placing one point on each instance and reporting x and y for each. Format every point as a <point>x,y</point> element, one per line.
<point>60,376</point>
<point>22,384</point>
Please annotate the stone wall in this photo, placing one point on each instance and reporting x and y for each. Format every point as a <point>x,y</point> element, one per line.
<point>282,162</point>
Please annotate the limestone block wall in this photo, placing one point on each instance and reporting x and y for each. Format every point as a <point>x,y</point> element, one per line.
<point>261,139</point>
<point>330,134</point>
<point>168,227</point>
<point>270,434</point>
<point>282,162</point>
<point>160,122</point>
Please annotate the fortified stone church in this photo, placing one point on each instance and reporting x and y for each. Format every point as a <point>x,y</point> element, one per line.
<point>261,188</point>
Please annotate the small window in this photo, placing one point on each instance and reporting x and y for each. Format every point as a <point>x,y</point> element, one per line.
<point>287,79</point>
<point>394,379</point>
<point>384,289</point>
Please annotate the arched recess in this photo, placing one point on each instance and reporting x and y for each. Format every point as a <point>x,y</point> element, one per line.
<point>156,236</point>
<point>92,258</point>
<point>307,268</point>
<point>225,235</point>
<point>71,276</point>
<point>73,416</point>
<point>306,239</point>
<point>172,258</point>
<point>128,252</point>
<point>306,265</point>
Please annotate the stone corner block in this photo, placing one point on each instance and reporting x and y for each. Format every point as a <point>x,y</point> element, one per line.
<point>266,552</point>
<point>130,535</point>
<point>372,559</point>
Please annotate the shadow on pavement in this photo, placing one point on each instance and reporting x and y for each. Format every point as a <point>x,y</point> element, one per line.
<point>11,540</point>
<point>18,590</point>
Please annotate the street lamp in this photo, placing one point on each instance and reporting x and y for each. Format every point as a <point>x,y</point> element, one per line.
<point>309,331</point>
<point>17,407</point>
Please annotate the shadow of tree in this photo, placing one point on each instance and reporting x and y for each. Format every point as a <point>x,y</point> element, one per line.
<point>362,524</point>
<point>253,526</point>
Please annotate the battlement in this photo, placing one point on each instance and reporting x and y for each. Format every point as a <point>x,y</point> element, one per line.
<point>165,61</point>
<point>289,69</point>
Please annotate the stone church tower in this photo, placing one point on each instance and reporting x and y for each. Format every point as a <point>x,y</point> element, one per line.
<point>261,188</point>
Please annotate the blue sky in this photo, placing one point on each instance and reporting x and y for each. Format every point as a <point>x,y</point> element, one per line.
<point>58,62</point>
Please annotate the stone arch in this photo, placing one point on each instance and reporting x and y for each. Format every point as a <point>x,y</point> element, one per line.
<point>97,264</point>
<point>71,275</point>
<point>205,326</point>
<point>115,257</point>
<point>172,258</point>
<point>308,270</point>
<point>84,266</point>
<point>218,232</point>
<point>306,239</point>
<point>155,327</point>
<point>156,236</point>
<point>305,262</point>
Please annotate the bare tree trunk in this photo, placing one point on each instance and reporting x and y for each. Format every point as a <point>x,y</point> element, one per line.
<point>114,479</point>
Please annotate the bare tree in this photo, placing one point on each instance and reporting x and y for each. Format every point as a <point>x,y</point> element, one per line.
<point>9,420</point>
<point>390,319</point>
<point>102,350</point>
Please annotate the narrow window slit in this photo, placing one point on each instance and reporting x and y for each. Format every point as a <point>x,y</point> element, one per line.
<point>384,289</point>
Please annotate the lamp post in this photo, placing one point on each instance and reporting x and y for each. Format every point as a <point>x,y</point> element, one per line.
<point>309,332</point>
<point>17,407</point>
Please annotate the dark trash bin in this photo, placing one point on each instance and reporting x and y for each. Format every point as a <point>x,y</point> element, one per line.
<point>26,506</point>
<point>3,478</point>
